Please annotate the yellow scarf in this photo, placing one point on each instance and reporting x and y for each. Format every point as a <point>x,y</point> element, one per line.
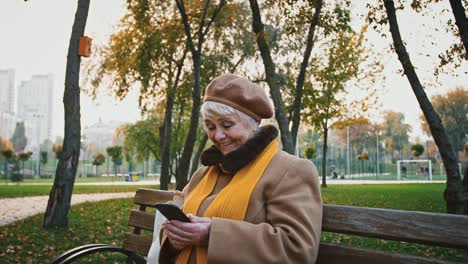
<point>232,201</point>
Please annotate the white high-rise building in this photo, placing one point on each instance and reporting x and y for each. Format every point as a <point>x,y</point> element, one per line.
<point>7,124</point>
<point>7,91</point>
<point>7,99</point>
<point>35,101</point>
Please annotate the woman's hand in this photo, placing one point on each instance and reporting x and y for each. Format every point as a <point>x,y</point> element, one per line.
<point>195,233</point>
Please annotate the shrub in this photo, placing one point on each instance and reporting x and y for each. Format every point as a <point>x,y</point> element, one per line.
<point>417,150</point>
<point>310,151</point>
<point>16,175</point>
<point>363,156</point>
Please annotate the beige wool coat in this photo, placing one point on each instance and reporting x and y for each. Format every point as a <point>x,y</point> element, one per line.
<point>283,221</point>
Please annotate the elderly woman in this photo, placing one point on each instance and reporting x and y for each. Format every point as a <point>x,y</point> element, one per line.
<point>251,202</point>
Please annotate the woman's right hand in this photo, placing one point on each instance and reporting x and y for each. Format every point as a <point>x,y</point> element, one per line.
<point>182,234</point>
<point>170,236</point>
<point>176,245</point>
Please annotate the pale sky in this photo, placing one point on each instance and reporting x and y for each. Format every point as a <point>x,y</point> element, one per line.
<point>35,36</point>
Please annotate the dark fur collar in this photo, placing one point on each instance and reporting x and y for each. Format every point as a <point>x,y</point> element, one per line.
<point>240,157</point>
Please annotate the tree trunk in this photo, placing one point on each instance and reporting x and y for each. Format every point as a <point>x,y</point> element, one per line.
<point>297,105</point>
<point>465,188</point>
<point>5,170</point>
<point>461,21</point>
<point>197,155</point>
<point>165,176</point>
<point>271,78</point>
<point>453,193</point>
<point>324,157</point>
<point>59,197</point>
<point>184,164</point>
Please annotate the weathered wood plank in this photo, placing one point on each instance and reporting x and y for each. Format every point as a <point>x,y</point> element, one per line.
<point>150,197</point>
<point>137,243</point>
<point>336,254</point>
<point>410,226</point>
<point>141,219</point>
<point>420,227</point>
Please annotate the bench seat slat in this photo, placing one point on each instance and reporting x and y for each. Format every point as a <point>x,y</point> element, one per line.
<point>137,243</point>
<point>141,219</point>
<point>150,197</point>
<point>333,253</point>
<point>420,227</point>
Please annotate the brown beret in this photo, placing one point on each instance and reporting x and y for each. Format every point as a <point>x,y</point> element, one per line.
<point>241,94</point>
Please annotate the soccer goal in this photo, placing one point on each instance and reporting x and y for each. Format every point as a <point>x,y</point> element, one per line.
<point>425,168</point>
<point>442,170</point>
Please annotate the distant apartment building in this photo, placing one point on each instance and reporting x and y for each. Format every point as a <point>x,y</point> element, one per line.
<point>35,106</point>
<point>7,99</point>
<point>7,124</point>
<point>7,91</point>
<point>99,136</point>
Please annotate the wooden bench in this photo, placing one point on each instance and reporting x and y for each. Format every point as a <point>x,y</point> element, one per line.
<point>416,227</point>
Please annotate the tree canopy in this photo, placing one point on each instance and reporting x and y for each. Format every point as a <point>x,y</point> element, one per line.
<point>395,131</point>
<point>453,110</point>
<point>19,139</point>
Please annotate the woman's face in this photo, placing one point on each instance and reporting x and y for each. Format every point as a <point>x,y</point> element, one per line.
<point>227,132</point>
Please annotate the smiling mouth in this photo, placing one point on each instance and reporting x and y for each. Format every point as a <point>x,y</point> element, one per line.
<point>223,145</point>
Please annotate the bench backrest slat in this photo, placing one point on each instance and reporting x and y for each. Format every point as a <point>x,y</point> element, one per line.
<point>149,197</point>
<point>144,220</point>
<point>137,243</point>
<point>337,254</point>
<point>420,227</point>
<point>141,219</point>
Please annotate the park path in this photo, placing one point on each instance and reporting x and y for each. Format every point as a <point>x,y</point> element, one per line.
<point>14,209</point>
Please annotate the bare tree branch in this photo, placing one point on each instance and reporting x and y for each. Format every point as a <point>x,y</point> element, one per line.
<point>188,31</point>
<point>215,13</point>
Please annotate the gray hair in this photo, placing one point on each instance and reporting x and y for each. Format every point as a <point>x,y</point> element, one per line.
<point>210,108</point>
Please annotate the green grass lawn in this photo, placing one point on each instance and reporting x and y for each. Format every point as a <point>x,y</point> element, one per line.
<point>77,180</point>
<point>394,177</point>
<point>9,191</point>
<point>425,197</point>
<point>106,222</point>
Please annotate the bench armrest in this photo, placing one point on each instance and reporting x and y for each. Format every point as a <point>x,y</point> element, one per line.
<point>73,254</point>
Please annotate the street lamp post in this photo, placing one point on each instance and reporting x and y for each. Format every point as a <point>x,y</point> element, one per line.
<point>377,133</point>
<point>38,119</point>
<point>347,144</point>
<point>83,148</point>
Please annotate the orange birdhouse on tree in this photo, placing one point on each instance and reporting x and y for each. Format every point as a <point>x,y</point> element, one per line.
<point>84,47</point>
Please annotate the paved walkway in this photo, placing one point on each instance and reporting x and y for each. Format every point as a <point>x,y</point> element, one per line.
<point>146,182</point>
<point>14,209</point>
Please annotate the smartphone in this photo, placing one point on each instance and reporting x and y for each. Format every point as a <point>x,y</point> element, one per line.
<point>172,212</point>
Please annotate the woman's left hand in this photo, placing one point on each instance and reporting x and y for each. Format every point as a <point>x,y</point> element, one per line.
<point>182,234</point>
